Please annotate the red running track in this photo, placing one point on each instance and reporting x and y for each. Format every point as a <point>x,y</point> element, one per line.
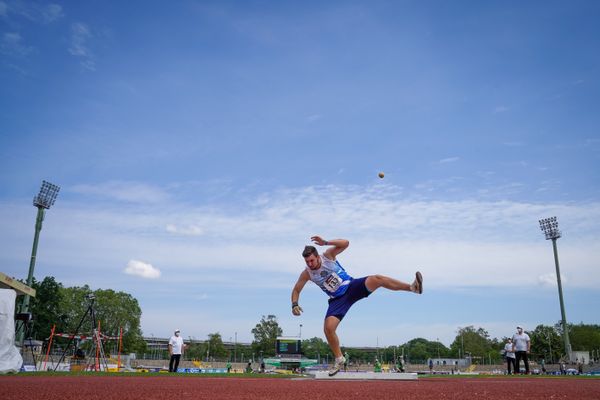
<point>21,387</point>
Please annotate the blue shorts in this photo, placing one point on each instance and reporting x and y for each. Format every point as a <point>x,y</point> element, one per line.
<point>339,306</point>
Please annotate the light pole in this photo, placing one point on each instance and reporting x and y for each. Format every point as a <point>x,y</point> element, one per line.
<point>300,334</point>
<point>550,347</point>
<point>462,342</point>
<point>153,347</point>
<point>550,228</point>
<point>235,349</point>
<point>43,201</point>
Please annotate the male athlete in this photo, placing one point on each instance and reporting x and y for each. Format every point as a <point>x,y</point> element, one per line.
<point>343,291</point>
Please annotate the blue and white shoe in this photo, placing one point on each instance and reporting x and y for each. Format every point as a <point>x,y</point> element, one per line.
<point>337,365</point>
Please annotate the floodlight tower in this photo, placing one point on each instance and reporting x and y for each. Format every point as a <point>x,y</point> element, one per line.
<point>550,228</point>
<point>43,201</point>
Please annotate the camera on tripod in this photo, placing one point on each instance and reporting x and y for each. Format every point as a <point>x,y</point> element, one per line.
<point>97,348</point>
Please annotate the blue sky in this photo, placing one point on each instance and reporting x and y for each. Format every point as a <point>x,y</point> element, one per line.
<point>198,146</point>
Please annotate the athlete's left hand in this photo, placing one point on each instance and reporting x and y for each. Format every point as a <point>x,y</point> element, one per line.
<point>297,310</point>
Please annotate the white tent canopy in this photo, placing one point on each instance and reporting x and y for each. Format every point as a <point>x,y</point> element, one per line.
<point>10,358</point>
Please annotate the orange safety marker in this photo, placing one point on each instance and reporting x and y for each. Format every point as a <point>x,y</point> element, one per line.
<point>120,348</point>
<point>49,346</point>
<point>97,339</point>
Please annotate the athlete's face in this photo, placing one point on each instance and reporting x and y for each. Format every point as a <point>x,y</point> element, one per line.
<point>313,262</point>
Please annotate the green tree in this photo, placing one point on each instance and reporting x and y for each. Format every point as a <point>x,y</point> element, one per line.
<point>315,348</point>
<point>45,308</point>
<point>113,310</point>
<point>546,343</point>
<point>195,351</point>
<point>265,335</point>
<point>584,337</point>
<point>118,310</point>
<point>358,355</point>
<point>244,353</point>
<point>391,353</point>
<point>215,346</point>
<point>74,305</point>
<point>476,344</point>
<point>418,350</point>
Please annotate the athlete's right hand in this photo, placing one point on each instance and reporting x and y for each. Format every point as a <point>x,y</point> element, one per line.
<point>297,310</point>
<point>319,241</point>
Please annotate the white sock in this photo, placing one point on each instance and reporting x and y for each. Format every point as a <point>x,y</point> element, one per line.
<point>338,359</point>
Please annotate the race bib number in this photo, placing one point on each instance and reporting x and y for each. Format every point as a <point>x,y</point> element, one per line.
<point>332,282</point>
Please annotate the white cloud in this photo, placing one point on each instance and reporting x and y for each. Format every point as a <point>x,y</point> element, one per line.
<point>80,34</point>
<point>35,12</point>
<point>252,247</point>
<point>500,109</point>
<point>314,117</point>
<point>12,44</point>
<point>142,269</point>
<point>51,13</point>
<point>132,192</point>
<point>450,184</point>
<point>549,279</point>
<point>449,160</point>
<point>17,69</point>
<point>461,243</point>
<point>188,230</point>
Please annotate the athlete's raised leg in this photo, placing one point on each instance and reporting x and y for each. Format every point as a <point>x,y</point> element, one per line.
<point>374,282</point>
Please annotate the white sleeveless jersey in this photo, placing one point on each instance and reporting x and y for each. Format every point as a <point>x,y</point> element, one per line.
<point>331,277</point>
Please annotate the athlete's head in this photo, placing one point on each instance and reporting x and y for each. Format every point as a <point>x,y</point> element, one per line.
<point>311,257</point>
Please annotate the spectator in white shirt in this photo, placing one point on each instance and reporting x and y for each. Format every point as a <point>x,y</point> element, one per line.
<point>510,356</point>
<point>176,347</point>
<point>521,347</point>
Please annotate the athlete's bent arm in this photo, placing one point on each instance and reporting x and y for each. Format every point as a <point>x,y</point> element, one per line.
<point>339,245</point>
<point>302,279</point>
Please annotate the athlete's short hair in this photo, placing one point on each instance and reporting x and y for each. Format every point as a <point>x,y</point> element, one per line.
<point>309,250</point>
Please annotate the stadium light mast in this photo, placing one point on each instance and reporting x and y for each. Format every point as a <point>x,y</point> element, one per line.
<point>550,228</point>
<point>43,201</point>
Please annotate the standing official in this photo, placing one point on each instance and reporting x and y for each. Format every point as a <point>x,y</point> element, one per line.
<point>176,347</point>
<point>521,347</point>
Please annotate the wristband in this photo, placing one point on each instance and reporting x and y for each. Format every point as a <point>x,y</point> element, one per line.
<point>295,304</point>
<point>326,243</point>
